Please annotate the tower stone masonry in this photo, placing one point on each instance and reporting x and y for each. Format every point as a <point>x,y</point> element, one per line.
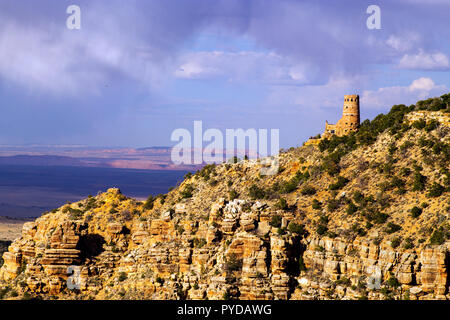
<point>350,118</point>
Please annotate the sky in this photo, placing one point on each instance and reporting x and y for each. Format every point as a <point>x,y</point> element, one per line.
<point>139,69</point>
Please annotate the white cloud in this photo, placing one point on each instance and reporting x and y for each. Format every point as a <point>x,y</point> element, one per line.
<point>403,42</point>
<point>243,66</point>
<point>419,89</point>
<point>422,84</point>
<point>425,61</point>
<point>60,61</point>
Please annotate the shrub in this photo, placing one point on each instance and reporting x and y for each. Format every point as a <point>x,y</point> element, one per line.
<point>282,204</point>
<point>438,236</point>
<point>408,243</point>
<point>358,196</point>
<point>122,276</point>
<point>75,214</point>
<point>376,216</point>
<point>416,212</point>
<point>292,184</point>
<point>324,219</point>
<point>321,229</point>
<point>275,221</point>
<point>332,205</point>
<point>232,194</point>
<point>392,228</point>
<point>351,208</point>
<point>396,242</point>
<point>404,172</point>
<point>187,191</point>
<point>316,204</point>
<point>436,190</point>
<point>339,184</point>
<point>393,282</point>
<point>198,243</point>
<point>357,229</point>
<point>431,125</point>
<point>419,181</point>
<point>148,205</point>
<point>308,190</point>
<point>296,228</point>
<point>256,193</point>
<point>232,263</point>
<point>419,124</point>
<point>406,145</point>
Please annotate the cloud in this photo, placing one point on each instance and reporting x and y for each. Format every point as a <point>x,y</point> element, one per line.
<point>244,66</point>
<point>387,96</point>
<point>403,42</point>
<point>141,42</point>
<point>425,61</point>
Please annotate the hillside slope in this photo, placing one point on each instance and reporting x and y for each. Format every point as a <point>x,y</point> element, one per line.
<point>365,216</point>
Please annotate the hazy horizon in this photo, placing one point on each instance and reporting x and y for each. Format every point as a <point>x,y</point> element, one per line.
<point>136,71</point>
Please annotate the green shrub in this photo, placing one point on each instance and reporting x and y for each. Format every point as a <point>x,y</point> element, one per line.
<point>419,124</point>
<point>275,221</point>
<point>282,204</point>
<point>308,190</point>
<point>339,184</point>
<point>148,205</point>
<point>416,212</point>
<point>232,263</point>
<point>431,125</point>
<point>419,182</point>
<point>396,242</point>
<point>435,190</point>
<point>358,196</point>
<point>122,276</point>
<point>376,216</point>
<point>296,228</point>
<point>332,205</point>
<point>75,214</point>
<point>232,194</point>
<point>316,204</point>
<point>406,145</point>
<point>438,236</point>
<point>292,184</point>
<point>351,208</point>
<point>199,243</point>
<point>408,243</point>
<point>393,282</point>
<point>256,192</point>
<point>392,228</point>
<point>404,172</point>
<point>321,229</point>
<point>187,191</point>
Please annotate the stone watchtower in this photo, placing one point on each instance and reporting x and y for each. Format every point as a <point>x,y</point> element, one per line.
<point>350,118</point>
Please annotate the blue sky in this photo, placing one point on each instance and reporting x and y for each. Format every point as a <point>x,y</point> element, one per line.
<point>139,69</point>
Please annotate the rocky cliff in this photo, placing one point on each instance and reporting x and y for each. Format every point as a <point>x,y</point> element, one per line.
<point>365,216</point>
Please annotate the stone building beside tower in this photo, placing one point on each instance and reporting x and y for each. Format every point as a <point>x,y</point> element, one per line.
<point>350,120</point>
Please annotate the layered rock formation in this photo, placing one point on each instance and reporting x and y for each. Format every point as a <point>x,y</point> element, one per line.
<point>229,233</point>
